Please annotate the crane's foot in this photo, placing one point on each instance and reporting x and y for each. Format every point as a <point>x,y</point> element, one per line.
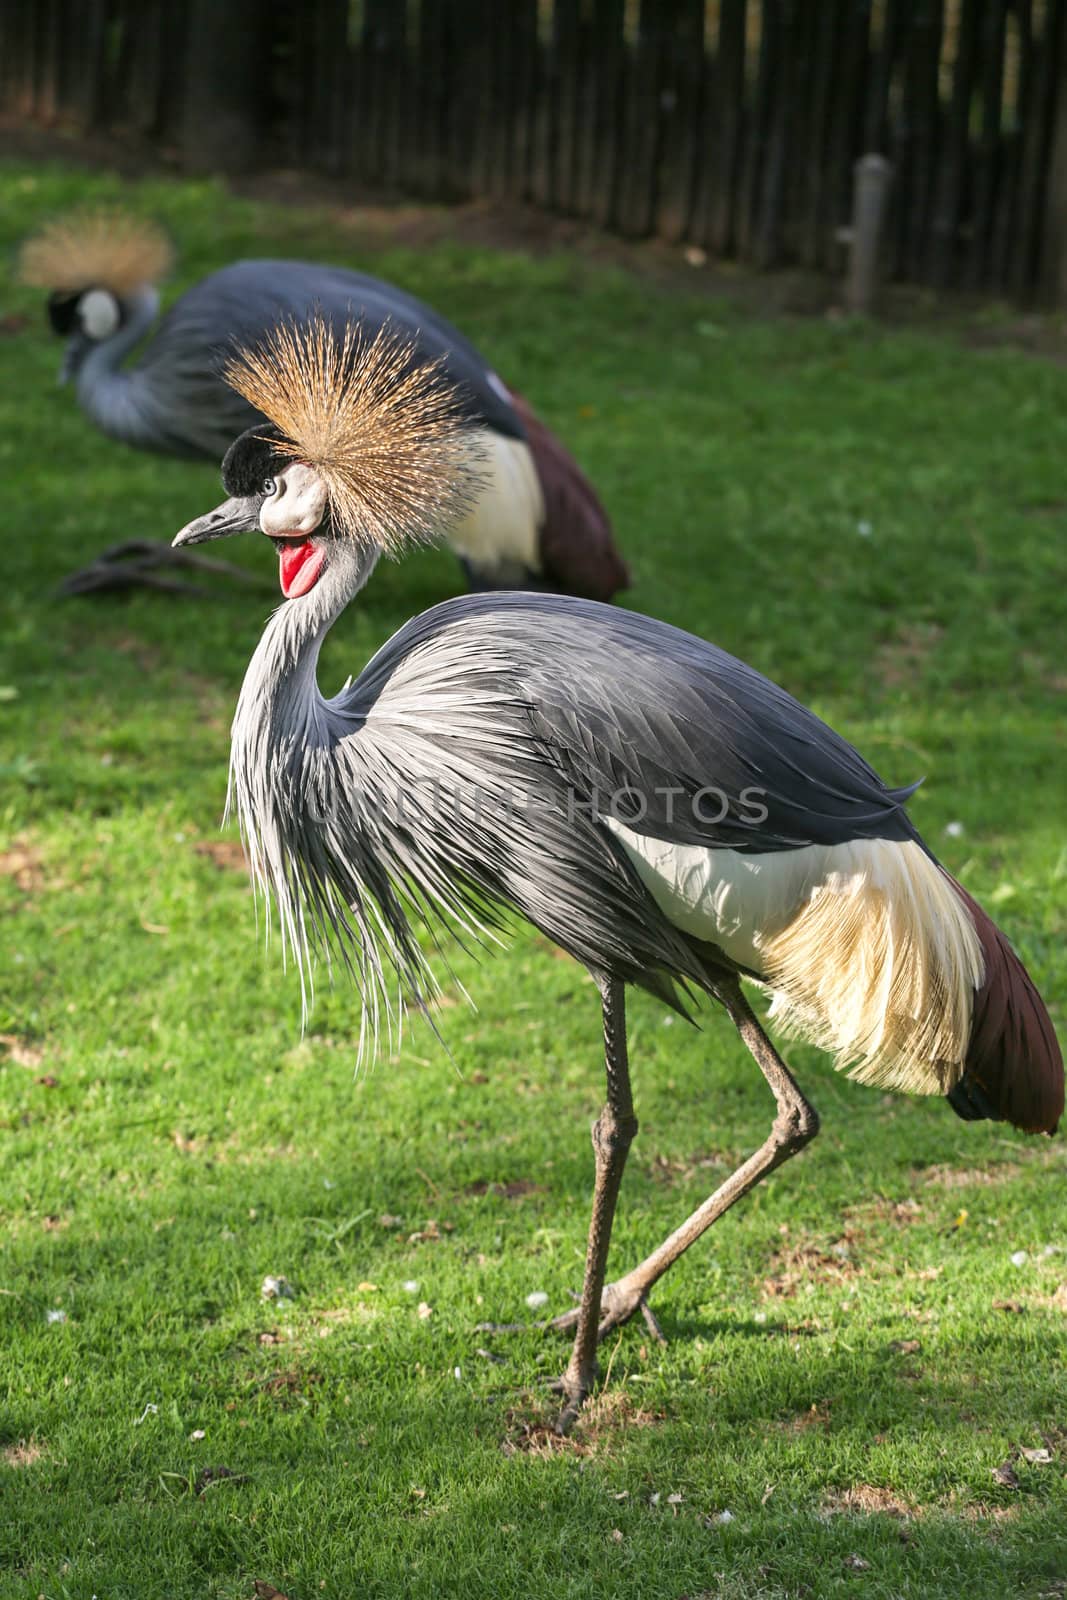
<point>148,564</point>
<point>619,1302</point>
<point>576,1394</point>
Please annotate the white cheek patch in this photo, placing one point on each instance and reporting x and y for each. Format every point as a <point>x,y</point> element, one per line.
<point>298,503</point>
<point>98,312</point>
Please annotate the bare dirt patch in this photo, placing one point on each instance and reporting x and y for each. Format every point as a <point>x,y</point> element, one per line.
<point>22,863</point>
<point>980,1512</point>
<point>682,1169</point>
<point>816,1416</point>
<point>867,1499</point>
<point>900,661</point>
<point>146,656</point>
<point>23,1454</point>
<point>20,1051</point>
<point>288,1385</point>
<point>226,854</point>
<point>796,1265</point>
<point>516,1190</point>
<point>603,1419</point>
<point>970,1177</point>
<point>902,1213</point>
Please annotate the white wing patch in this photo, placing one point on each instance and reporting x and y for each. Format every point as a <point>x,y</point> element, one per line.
<point>504,524</point>
<point>722,896</point>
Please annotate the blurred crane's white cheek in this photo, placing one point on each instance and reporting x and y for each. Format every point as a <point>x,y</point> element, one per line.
<point>99,314</point>
<point>298,503</point>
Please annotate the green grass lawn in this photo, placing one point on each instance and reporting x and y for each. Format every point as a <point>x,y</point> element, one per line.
<point>874,518</point>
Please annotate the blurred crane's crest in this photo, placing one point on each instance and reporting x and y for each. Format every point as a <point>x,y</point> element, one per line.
<point>100,249</point>
<point>386,432</point>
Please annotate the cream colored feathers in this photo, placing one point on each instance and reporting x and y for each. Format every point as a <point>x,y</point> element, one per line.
<point>385,433</point>
<point>103,249</point>
<point>879,967</point>
<point>867,948</point>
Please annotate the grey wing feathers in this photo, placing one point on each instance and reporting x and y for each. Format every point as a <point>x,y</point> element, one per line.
<point>621,702</point>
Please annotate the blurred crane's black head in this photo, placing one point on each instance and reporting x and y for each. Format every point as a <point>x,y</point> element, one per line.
<point>84,317</point>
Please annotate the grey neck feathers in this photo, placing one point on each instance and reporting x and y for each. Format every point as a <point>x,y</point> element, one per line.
<point>117,400</point>
<point>280,749</point>
<point>280,690</point>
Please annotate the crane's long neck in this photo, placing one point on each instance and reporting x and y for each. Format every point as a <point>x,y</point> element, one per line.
<point>281,725</point>
<point>118,401</point>
<point>280,711</point>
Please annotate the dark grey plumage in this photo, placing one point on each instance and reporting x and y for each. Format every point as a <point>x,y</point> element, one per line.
<point>473,762</point>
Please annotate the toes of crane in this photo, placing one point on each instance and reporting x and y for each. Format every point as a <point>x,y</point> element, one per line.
<point>570,1414</point>
<point>575,1393</point>
<point>617,1306</point>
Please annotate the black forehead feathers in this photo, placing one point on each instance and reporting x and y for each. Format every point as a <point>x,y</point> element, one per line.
<point>252,459</point>
<point>63,311</point>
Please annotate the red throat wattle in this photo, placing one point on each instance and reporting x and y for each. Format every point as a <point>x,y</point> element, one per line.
<point>299,565</point>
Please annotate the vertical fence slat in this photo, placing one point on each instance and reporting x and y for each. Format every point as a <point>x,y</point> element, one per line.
<point>680,108</point>
<point>563,112</point>
<point>1037,151</point>
<point>1052,282</point>
<point>986,157</point>
<point>501,68</point>
<point>608,77</point>
<point>524,98</point>
<point>585,112</point>
<point>923,94</point>
<point>949,204</point>
<point>769,225</point>
<point>729,96</point>
<point>92,99</point>
<point>542,67</point>
<point>757,122</point>
<point>846,118</point>
<point>641,139</point>
<point>1006,220</point>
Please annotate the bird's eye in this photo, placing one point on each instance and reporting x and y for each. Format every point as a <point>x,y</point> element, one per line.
<point>270,486</point>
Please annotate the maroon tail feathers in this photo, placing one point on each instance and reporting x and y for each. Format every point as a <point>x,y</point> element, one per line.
<point>1014,1065</point>
<point>577,545</point>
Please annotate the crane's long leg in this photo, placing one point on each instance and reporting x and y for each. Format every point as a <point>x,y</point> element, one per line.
<point>613,1133</point>
<point>795,1125</point>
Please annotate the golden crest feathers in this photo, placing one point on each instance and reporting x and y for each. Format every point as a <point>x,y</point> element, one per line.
<point>385,432</point>
<point>102,249</point>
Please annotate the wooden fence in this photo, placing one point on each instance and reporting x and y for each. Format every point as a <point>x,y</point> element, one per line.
<point>730,124</point>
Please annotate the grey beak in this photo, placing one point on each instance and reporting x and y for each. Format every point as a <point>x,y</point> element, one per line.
<point>233,516</point>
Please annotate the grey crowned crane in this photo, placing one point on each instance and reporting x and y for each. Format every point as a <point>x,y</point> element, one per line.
<point>535,522</point>
<point>654,806</point>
